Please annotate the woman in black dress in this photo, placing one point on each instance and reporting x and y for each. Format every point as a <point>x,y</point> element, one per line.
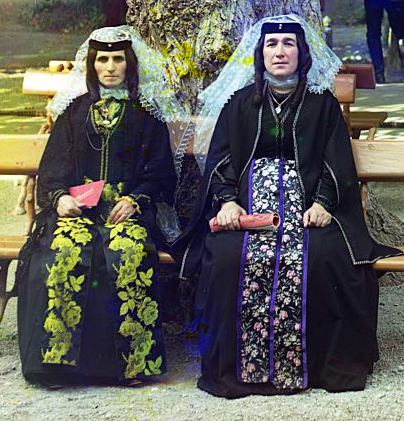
<point>88,308</point>
<point>282,310</point>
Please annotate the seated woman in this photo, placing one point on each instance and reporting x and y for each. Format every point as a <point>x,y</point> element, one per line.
<point>88,307</point>
<point>287,309</point>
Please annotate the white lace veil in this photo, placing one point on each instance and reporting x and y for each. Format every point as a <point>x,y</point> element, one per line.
<point>155,94</point>
<point>155,90</point>
<point>239,72</point>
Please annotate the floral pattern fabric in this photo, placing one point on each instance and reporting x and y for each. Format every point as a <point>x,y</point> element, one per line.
<point>271,328</point>
<point>133,277</point>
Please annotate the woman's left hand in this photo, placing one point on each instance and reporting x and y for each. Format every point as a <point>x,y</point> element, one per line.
<point>316,216</point>
<point>121,212</point>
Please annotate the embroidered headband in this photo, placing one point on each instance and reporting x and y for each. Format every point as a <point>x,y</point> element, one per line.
<point>109,46</point>
<point>284,28</point>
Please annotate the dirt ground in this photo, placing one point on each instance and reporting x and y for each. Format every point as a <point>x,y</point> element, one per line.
<point>176,397</point>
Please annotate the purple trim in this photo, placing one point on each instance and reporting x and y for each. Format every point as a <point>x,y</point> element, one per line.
<point>250,189</point>
<point>276,275</point>
<point>242,275</point>
<point>239,304</point>
<point>304,304</point>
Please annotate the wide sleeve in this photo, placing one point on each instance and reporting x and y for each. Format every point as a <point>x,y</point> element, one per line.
<point>56,168</point>
<point>156,180</point>
<point>339,172</point>
<point>223,184</point>
<point>326,192</point>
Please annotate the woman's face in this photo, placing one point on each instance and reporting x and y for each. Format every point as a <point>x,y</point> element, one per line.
<point>110,67</point>
<point>281,55</point>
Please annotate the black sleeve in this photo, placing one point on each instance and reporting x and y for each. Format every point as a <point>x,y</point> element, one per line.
<point>223,185</point>
<point>157,180</point>
<point>326,193</point>
<point>339,172</point>
<point>56,169</point>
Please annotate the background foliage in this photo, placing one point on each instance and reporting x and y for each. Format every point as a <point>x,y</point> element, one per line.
<point>63,15</point>
<point>345,12</point>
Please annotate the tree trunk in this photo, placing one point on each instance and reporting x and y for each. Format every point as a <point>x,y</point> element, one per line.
<point>386,228</point>
<point>198,36</point>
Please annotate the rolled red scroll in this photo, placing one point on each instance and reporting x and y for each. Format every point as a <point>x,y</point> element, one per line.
<point>256,221</point>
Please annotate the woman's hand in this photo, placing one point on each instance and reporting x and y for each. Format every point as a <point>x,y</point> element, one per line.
<point>316,216</point>
<point>68,206</point>
<point>121,212</point>
<point>228,215</point>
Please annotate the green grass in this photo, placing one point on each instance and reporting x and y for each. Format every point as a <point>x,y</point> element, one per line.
<point>22,125</point>
<point>21,47</point>
<point>9,191</point>
<point>12,98</point>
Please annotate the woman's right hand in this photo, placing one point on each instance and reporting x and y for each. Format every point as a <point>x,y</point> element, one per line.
<point>228,215</point>
<point>68,206</point>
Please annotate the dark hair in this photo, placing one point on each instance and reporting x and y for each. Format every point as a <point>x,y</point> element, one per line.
<point>131,78</point>
<point>304,64</point>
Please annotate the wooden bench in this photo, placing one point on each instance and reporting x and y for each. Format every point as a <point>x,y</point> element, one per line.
<point>366,120</point>
<point>380,161</point>
<point>363,120</point>
<point>20,155</point>
<point>375,161</point>
<point>47,82</point>
<point>345,90</point>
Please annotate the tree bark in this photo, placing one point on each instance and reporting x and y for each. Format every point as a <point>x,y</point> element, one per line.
<point>385,228</point>
<point>198,36</point>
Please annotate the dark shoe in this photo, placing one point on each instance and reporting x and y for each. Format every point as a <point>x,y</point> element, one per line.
<point>380,78</point>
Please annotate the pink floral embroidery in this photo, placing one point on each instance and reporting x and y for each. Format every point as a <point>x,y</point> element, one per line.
<point>257,289</point>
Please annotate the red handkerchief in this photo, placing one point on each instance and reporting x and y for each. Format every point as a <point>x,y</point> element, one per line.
<point>256,221</point>
<point>88,194</point>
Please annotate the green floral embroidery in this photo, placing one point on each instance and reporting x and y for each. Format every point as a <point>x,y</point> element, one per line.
<point>132,284</point>
<point>148,311</point>
<point>63,313</point>
<point>106,114</point>
<point>109,193</point>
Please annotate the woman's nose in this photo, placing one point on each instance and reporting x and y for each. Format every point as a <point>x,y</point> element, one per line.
<point>280,50</point>
<point>110,65</point>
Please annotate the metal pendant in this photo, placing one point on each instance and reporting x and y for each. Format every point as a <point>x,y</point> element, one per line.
<point>278,109</point>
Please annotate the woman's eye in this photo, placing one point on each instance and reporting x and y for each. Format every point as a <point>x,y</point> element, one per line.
<point>119,59</point>
<point>102,59</point>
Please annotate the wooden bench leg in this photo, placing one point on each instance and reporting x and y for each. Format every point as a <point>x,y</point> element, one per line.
<point>371,133</point>
<point>356,133</point>
<point>4,294</point>
<point>20,206</point>
<point>364,199</point>
<point>30,203</point>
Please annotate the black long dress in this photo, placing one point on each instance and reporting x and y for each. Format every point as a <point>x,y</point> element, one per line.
<point>88,307</point>
<point>284,310</point>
